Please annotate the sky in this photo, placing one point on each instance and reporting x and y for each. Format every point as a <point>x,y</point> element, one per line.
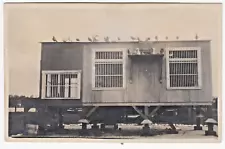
<point>26,25</point>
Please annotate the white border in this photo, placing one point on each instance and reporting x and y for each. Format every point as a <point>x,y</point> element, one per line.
<point>158,1</point>
<point>5,145</point>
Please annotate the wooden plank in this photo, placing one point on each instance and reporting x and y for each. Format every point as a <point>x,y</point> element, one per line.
<point>140,113</point>
<point>91,111</point>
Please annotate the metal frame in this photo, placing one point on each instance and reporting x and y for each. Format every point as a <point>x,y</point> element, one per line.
<point>180,59</point>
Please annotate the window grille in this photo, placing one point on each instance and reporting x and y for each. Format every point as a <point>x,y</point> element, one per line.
<point>108,69</point>
<point>184,68</point>
<point>62,84</point>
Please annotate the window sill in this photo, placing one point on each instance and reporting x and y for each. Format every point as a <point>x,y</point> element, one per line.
<point>184,88</point>
<point>107,89</point>
<point>61,98</point>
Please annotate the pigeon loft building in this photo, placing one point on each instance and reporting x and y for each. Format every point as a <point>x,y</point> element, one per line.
<point>105,82</point>
<point>127,74</point>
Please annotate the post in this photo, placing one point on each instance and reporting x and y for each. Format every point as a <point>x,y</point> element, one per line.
<point>210,122</point>
<point>60,118</point>
<point>189,115</point>
<point>146,112</point>
<point>84,126</point>
<point>198,119</point>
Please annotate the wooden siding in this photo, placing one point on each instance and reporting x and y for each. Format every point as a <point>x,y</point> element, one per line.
<point>145,86</point>
<point>62,56</point>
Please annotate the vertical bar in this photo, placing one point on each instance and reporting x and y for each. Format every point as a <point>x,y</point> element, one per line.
<point>66,87</point>
<point>73,87</point>
<point>104,78</point>
<point>110,75</point>
<point>52,81</point>
<point>117,82</point>
<point>58,86</point>
<point>48,85</point>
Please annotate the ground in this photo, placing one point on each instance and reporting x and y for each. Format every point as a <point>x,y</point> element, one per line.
<point>131,133</point>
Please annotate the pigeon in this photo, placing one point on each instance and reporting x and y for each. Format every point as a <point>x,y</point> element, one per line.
<point>196,36</point>
<point>138,52</point>
<point>95,38</point>
<point>133,38</point>
<point>89,39</point>
<point>54,39</point>
<point>138,39</point>
<point>77,39</point>
<point>118,38</point>
<point>166,38</point>
<point>161,51</point>
<point>177,37</point>
<point>147,39</point>
<point>128,52</point>
<point>69,39</point>
<point>106,39</point>
<point>170,54</point>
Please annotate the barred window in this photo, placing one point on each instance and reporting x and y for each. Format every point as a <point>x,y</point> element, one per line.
<point>61,84</point>
<point>108,69</point>
<point>183,68</point>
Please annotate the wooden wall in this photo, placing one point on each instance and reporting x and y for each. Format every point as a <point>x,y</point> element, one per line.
<point>144,87</point>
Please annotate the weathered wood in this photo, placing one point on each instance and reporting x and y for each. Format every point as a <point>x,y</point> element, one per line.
<point>141,86</point>
<point>154,111</point>
<point>91,111</point>
<point>139,112</point>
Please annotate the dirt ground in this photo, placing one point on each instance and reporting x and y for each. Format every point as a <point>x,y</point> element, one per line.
<point>131,133</point>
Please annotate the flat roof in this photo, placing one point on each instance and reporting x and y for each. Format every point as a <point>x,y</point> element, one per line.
<point>88,42</point>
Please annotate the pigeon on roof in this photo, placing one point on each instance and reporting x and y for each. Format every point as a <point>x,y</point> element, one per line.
<point>77,39</point>
<point>69,39</point>
<point>147,39</point>
<point>196,36</point>
<point>139,40</point>
<point>106,39</point>
<point>89,39</point>
<point>133,38</point>
<point>95,39</point>
<point>54,39</point>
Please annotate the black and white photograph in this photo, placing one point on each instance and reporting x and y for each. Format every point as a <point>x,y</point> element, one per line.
<point>127,72</point>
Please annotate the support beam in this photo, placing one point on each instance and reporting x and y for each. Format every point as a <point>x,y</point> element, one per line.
<point>201,111</point>
<point>60,118</point>
<point>146,110</point>
<point>140,113</point>
<point>190,115</point>
<point>198,119</point>
<point>91,111</point>
<point>154,111</point>
<point>174,130</point>
<point>172,126</point>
